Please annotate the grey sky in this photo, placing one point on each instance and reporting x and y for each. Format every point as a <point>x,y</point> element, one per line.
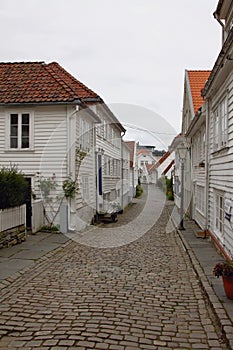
<point>128,51</point>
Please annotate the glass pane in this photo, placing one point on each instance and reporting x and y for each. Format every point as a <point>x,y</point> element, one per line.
<point>25,142</point>
<point>14,130</point>
<point>14,142</point>
<point>25,130</point>
<point>14,119</point>
<point>25,119</point>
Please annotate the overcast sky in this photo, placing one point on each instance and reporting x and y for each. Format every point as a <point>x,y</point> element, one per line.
<point>131,52</point>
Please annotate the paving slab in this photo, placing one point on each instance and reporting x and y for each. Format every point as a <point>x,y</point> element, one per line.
<point>25,254</point>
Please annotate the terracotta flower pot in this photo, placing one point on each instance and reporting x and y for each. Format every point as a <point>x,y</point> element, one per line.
<point>228,286</point>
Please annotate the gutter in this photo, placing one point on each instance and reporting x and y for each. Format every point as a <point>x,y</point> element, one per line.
<point>74,102</point>
<point>218,64</point>
<point>207,166</point>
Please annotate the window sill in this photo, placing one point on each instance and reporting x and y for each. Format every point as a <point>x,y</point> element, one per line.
<point>21,150</point>
<point>220,151</point>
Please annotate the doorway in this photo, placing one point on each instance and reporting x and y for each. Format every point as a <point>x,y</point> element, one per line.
<point>28,202</point>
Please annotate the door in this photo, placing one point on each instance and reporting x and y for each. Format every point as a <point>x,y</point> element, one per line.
<point>99,183</point>
<point>28,202</point>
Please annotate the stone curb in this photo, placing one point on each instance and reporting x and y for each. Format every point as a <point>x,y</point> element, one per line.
<point>219,311</point>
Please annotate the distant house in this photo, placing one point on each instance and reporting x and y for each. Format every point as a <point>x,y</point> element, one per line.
<point>145,160</point>
<point>132,145</point>
<point>153,164</point>
<point>46,116</point>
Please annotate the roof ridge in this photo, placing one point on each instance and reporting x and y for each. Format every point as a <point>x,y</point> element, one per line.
<point>27,62</point>
<point>57,65</point>
<point>60,81</point>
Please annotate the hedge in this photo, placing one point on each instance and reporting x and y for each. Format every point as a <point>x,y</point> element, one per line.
<point>12,187</point>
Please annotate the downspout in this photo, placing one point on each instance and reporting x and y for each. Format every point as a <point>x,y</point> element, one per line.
<point>207,166</point>
<point>216,16</point>
<point>71,134</point>
<point>95,174</point>
<point>191,180</point>
<point>122,163</point>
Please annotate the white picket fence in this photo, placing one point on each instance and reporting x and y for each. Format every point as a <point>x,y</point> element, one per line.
<point>12,217</point>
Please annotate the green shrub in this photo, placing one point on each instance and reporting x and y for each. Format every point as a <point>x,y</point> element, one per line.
<point>139,191</point>
<point>166,185</point>
<point>49,228</point>
<point>12,187</point>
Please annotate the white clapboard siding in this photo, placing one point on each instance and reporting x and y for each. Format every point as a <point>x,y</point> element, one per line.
<point>49,153</point>
<point>221,168</point>
<point>85,207</point>
<point>48,156</point>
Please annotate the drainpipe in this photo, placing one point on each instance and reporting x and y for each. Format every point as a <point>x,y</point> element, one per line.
<point>207,166</point>
<point>216,16</point>
<point>71,135</point>
<point>122,163</point>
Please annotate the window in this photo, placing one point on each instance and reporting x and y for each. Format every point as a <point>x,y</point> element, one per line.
<point>85,135</point>
<point>19,130</point>
<point>219,211</point>
<point>200,198</point>
<point>107,165</point>
<point>220,125</point>
<point>85,187</point>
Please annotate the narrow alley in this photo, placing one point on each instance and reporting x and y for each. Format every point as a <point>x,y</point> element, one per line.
<point>140,295</point>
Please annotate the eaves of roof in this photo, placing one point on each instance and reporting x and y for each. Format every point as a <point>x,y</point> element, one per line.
<point>114,118</point>
<point>221,59</point>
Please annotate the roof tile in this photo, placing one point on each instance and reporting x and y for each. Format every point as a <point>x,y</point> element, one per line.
<point>197,80</point>
<point>30,82</point>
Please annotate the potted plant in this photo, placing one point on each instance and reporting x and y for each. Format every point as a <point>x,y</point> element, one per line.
<point>225,269</point>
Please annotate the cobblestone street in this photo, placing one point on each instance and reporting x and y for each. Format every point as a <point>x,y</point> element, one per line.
<point>142,295</point>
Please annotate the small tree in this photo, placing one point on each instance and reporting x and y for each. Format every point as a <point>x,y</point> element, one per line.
<point>12,187</point>
<point>48,186</point>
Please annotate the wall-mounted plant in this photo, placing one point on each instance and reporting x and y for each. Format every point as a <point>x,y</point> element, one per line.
<point>70,187</point>
<point>48,187</point>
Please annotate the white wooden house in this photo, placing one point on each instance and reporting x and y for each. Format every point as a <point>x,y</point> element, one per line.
<point>194,131</point>
<point>145,161</point>
<point>46,115</point>
<point>218,94</point>
<point>109,161</point>
<point>126,198</point>
<point>132,145</point>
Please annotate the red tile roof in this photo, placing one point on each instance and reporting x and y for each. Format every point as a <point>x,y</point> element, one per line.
<point>163,158</point>
<point>143,151</point>
<point>168,167</point>
<point>35,82</point>
<point>197,80</point>
<point>131,146</point>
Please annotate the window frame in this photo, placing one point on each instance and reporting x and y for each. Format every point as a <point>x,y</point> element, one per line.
<point>19,147</point>
<point>200,198</point>
<point>85,188</point>
<point>219,214</point>
<point>220,124</point>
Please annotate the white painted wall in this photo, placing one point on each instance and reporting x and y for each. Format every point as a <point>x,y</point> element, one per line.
<point>221,167</point>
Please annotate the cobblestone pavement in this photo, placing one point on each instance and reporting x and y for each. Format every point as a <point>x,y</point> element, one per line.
<point>144,295</point>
